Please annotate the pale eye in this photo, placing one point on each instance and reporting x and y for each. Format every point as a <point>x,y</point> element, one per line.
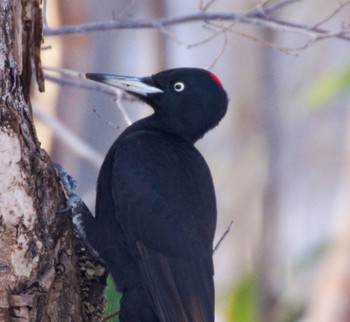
<point>179,86</point>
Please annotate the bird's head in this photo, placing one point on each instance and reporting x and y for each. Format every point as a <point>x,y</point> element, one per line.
<point>186,101</point>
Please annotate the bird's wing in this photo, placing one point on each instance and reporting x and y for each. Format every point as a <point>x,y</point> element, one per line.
<point>165,204</point>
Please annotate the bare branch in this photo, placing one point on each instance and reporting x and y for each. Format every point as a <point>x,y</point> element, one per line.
<point>145,24</point>
<point>79,84</point>
<point>312,32</point>
<point>139,24</point>
<point>256,16</point>
<point>78,80</point>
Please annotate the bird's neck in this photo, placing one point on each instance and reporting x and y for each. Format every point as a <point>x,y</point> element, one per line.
<point>161,124</point>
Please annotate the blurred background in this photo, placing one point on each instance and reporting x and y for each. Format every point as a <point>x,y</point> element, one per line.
<point>280,159</point>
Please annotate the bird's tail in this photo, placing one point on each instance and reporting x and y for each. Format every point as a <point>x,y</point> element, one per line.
<point>135,306</point>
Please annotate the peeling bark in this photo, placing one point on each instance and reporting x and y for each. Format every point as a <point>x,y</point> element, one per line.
<point>39,267</point>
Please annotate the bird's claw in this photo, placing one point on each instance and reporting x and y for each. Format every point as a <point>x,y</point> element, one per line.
<point>69,186</point>
<point>67,180</point>
<point>73,202</point>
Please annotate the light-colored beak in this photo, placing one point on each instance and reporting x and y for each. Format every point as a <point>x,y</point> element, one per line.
<point>140,86</point>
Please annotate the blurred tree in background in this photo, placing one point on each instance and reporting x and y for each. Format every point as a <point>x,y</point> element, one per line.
<point>279,158</point>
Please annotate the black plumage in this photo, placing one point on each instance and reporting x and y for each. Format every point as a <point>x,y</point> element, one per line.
<point>156,207</point>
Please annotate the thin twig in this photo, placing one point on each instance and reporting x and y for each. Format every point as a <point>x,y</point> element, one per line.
<point>217,33</point>
<point>223,237</point>
<point>121,108</point>
<point>334,13</point>
<point>107,318</point>
<point>316,33</point>
<point>46,47</point>
<point>206,6</point>
<point>263,3</point>
<point>194,44</point>
<point>259,7</point>
<point>105,120</point>
<point>172,37</point>
<point>220,54</point>
<point>279,5</point>
<point>78,80</point>
<point>125,12</point>
<point>285,50</point>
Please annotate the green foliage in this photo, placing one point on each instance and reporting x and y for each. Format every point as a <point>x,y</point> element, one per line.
<point>243,300</point>
<point>113,298</point>
<point>328,87</point>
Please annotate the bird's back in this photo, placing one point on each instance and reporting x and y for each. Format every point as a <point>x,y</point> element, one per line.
<point>161,204</point>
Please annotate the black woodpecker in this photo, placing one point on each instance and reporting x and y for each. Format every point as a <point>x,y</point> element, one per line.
<point>156,207</point>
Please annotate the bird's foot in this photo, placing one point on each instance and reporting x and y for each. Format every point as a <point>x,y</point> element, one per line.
<point>80,213</point>
<point>69,185</point>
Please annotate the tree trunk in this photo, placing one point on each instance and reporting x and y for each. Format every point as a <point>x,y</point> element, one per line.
<point>39,268</point>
